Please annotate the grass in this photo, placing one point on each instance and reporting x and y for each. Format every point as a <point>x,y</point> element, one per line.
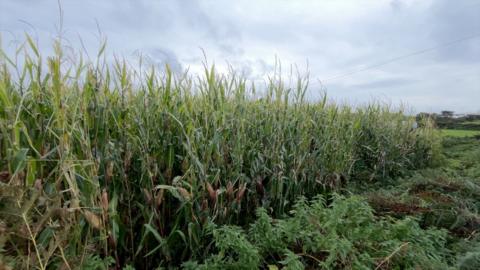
<point>103,164</point>
<point>458,133</point>
<point>445,197</point>
<point>472,122</point>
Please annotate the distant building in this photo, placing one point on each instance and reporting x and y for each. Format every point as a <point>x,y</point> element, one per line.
<point>471,117</point>
<point>447,113</point>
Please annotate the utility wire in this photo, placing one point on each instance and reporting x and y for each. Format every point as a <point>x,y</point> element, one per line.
<point>401,57</point>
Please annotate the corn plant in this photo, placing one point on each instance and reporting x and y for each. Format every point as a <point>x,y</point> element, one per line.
<point>100,161</point>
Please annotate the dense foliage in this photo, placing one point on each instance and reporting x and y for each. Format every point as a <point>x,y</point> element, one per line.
<point>108,164</point>
<point>345,235</point>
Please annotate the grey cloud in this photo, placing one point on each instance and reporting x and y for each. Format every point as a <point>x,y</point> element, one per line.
<point>385,83</point>
<point>160,57</point>
<point>396,4</point>
<point>337,37</point>
<point>224,33</point>
<point>453,22</point>
<point>254,70</point>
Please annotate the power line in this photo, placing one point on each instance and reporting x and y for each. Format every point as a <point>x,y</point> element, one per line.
<point>401,57</point>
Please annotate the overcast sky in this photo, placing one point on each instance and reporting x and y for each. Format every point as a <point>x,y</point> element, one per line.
<point>357,49</point>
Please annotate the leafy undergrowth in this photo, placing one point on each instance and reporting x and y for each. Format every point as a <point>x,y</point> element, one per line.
<point>447,197</point>
<point>344,235</point>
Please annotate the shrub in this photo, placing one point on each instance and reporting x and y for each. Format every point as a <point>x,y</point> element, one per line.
<point>344,235</point>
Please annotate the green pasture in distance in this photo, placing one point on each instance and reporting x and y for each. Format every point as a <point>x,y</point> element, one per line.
<point>459,133</point>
